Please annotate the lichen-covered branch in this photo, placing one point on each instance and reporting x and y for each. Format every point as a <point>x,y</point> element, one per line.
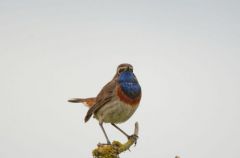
<point>116,148</point>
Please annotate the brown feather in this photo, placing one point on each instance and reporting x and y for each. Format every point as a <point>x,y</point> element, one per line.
<point>89,102</point>
<point>103,97</point>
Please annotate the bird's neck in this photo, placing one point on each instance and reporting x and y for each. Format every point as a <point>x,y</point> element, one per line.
<point>129,85</point>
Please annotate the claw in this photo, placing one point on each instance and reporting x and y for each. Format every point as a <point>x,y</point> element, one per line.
<point>103,144</point>
<point>134,137</point>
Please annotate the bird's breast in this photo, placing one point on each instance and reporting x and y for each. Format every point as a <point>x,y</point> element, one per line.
<point>129,93</point>
<point>115,111</point>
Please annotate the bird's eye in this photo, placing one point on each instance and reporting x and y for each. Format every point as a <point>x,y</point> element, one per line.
<point>121,70</point>
<point>131,69</point>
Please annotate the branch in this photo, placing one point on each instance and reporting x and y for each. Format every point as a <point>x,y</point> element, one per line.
<point>113,150</point>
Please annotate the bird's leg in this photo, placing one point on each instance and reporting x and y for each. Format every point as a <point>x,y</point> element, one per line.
<point>105,134</point>
<point>121,130</point>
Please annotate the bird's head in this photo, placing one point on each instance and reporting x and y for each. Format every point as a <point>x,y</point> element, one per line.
<point>124,68</point>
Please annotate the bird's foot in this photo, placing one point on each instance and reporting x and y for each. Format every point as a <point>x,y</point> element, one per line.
<point>134,138</point>
<point>103,144</point>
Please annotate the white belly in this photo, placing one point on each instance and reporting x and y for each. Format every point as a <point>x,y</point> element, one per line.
<point>115,112</point>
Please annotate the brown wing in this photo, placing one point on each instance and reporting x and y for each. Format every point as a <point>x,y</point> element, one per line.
<point>105,95</point>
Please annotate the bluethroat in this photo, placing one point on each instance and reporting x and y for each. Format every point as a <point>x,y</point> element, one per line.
<point>116,102</point>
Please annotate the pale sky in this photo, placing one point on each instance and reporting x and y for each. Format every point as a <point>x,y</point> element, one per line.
<point>186,56</point>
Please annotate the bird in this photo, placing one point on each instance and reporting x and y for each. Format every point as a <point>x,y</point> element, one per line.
<point>116,102</point>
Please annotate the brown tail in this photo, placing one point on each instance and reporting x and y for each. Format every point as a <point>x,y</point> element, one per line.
<point>89,102</point>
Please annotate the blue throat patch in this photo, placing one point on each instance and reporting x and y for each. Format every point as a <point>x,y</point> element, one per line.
<point>129,84</point>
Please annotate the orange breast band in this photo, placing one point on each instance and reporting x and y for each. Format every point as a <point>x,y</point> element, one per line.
<point>123,97</point>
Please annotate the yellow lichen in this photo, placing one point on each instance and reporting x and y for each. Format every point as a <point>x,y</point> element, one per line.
<point>113,150</point>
